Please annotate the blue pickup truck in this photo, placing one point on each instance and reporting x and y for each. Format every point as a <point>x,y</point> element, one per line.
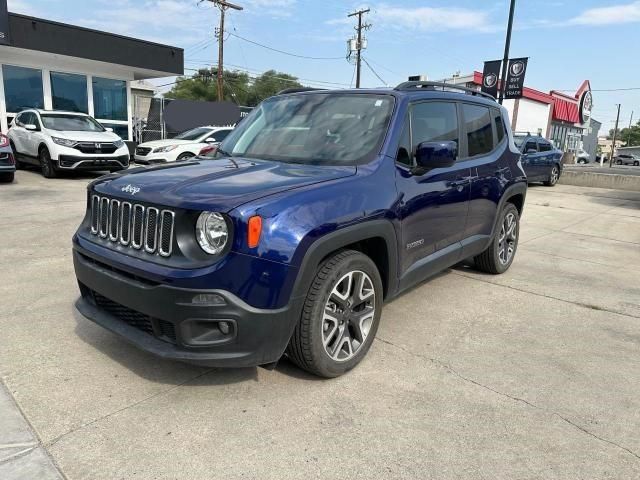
<point>318,208</point>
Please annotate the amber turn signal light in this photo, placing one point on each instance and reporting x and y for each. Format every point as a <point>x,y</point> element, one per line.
<point>254,231</point>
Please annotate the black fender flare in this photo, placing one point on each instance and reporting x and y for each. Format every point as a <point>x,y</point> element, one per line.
<point>338,239</point>
<point>519,188</point>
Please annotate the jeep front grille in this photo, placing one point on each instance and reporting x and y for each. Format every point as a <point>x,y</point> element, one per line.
<point>132,224</point>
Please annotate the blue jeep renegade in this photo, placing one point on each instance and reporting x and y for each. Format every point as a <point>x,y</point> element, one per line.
<point>318,208</point>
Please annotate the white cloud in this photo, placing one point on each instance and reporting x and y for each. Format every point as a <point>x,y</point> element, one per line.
<point>623,13</point>
<point>427,19</point>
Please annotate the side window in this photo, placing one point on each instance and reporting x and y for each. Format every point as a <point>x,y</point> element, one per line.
<point>478,123</point>
<point>404,147</point>
<point>433,122</point>
<point>19,120</point>
<point>219,136</point>
<point>27,118</point>
<point>531,145</point>
<point>497,115</point>
<point>544,146</point>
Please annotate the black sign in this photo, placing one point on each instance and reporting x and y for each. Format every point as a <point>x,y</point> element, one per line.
<point>586,104</point>
<point>4,23</point>
<point>515,77</point>
<point>490,76</point>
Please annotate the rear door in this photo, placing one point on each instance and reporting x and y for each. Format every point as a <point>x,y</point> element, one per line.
<point>32,138</point>
<point>531,160</point>
<point>434,204</point>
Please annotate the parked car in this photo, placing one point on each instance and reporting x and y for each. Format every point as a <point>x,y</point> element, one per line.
<point>541,161</point>
<point>57,141</point>
<point>182,147</point>
<point>582,157</point>
<point>626,159</point>
<point>318,208</point>
<point>7,161</point>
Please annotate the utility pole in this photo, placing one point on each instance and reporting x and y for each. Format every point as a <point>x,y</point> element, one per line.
<point>615,134</point>
<point>507,46</point>
<point>223,5</point>
<point>629,134</point>
<point>359,41</point>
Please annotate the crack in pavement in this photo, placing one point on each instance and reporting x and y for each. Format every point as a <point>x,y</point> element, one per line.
<point>55,440</point>
<point>451,370</point>
<point>578,304</point>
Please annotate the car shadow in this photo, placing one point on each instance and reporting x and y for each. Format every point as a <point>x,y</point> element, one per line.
<point>152,368</point>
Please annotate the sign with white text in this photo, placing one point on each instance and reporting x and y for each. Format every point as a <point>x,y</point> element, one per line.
<point>515,78</point>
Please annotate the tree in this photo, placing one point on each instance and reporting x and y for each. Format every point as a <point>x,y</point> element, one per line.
<point>237,85</point>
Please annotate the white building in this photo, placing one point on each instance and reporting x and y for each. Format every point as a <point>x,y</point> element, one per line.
<point>50,65</point>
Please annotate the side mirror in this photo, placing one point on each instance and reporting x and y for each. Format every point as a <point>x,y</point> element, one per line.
<point>531,150</point>
<point>31,127</point>
<point>109,129</point>
<point>431,155</point>
<point>211,140</point>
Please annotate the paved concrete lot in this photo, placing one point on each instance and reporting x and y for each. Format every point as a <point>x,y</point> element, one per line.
<point>529,375</point>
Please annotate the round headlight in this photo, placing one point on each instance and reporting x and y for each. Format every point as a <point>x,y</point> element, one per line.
<point>212,232</point>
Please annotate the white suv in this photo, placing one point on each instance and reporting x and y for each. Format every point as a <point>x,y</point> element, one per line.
<point>57,141</point>
<point>182,147</point>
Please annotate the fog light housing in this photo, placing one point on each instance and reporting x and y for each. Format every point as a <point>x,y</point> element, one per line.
<point>208,299</point>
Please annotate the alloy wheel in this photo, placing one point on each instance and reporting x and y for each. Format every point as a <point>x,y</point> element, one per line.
<point>508,238</point>
<point>348,316</point>
<point>554,175</point>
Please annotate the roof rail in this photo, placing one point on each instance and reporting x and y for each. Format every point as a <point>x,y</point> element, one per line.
<point>298,90</point>
<point>433,85</point>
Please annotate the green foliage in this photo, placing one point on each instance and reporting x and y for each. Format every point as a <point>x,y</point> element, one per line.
<point>238,86</point>
<point>629,136</point>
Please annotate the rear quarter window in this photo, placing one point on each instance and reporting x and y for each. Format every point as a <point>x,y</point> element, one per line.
<point>479,130</point>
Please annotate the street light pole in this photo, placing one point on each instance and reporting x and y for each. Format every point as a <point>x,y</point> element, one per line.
<point>615,134</point>
<point>507,45</point>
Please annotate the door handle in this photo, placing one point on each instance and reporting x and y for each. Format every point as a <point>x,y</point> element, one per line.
<point>459,183</point>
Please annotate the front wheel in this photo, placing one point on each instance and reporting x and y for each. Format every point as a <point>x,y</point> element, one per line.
<point>183,157</point>
<point>48,170</point>
<point>340,316</point>
<point>636,163</point>
<point>553,176</point>
<point>498,257</point>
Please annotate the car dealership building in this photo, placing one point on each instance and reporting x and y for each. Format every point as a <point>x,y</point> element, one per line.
<point>50,65</point>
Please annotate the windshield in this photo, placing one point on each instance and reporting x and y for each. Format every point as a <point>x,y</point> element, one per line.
<point>318,128</point>
<point>194,134</point>
<point>71,123</point>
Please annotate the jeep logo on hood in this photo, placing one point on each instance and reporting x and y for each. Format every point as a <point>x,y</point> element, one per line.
<point>131,189</point>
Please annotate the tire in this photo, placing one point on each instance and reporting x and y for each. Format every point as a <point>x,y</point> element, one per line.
<point>493,259</point>
<point>7,177</point>
<point>619,162</point>
<point>582,162</point>
<point>184,156</point>
<point>325,319</point>
<point>636,163</point>
<point>554,176</point>
<point>19,165</point>
<point>46,165</point>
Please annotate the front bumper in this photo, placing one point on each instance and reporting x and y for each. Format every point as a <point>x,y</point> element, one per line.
<point>73,162</point>
<point>7,168</point>
<point>148,160</point>
<point>182,324</point>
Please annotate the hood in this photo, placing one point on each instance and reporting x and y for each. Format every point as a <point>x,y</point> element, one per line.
<point>218,185</point>
<point>85,136</point>
<point>164,143</point>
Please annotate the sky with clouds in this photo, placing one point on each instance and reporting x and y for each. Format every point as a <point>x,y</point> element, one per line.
<point>567,41</point>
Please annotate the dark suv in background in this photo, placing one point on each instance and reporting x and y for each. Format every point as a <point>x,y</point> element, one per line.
<point>319,207</point>
<point>542,162</point>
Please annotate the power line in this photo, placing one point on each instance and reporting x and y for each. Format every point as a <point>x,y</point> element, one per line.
<point>374,72</point>
<point>282,51</point>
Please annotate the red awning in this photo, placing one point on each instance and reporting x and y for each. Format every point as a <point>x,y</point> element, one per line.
<point>565,111</point>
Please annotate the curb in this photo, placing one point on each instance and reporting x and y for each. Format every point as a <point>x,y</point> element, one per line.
<point>601,180</point>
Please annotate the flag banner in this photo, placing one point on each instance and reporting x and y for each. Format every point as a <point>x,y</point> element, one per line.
<point>515,78</point>
<point>490,76</point>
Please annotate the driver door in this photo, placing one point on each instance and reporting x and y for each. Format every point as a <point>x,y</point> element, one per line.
<point>433,205</point>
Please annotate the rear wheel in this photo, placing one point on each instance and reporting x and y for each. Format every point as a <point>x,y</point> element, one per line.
<point>582,161</point>
<point>636,163</point>
<point>48,170</point>
<point>19,165</point>
<point>619,162</point>
<point>7,177</point>
<point>340,316</point>
<point>554,175</point>
<point>498,257</point>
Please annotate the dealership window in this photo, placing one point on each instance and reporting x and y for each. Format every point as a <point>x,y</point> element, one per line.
<point>122,130</point>
<point>69,92</point>
<point>22,88</point>
<point>109,99</point>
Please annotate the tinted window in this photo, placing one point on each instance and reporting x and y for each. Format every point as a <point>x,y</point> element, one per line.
<point>433,122</point>
<point>69,92</point>
<point>404,147</point>
<point>22,88</point>
<point>499,125</point>
<point>519,140</point>
<point>477,121</point>
<point>545,146</point>
<point>531,145</point>
<point>109,99</point>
